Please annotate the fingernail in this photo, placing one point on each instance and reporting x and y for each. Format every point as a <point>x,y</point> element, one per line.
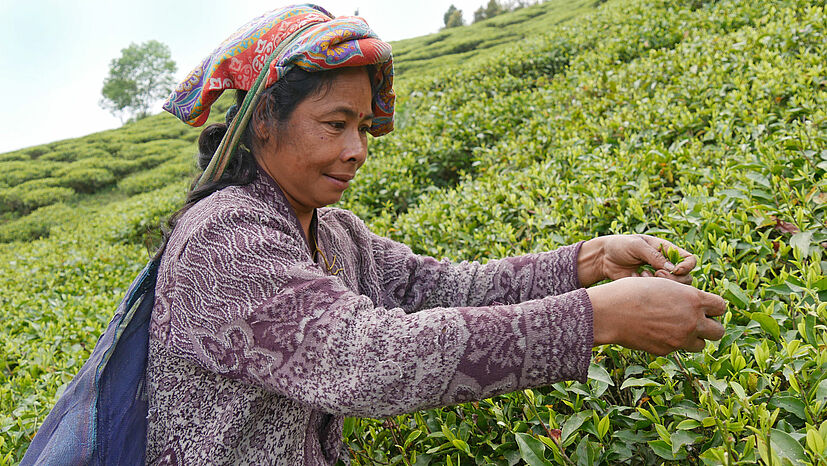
<point>669,266</point>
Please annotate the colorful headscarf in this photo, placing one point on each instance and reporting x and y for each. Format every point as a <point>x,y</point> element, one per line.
<point>265,49</point>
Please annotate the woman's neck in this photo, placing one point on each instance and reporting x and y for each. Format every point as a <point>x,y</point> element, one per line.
<point>304,216</point>
<point>304,221</point>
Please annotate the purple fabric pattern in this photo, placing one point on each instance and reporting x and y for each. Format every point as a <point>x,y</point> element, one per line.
<point>257,351</point>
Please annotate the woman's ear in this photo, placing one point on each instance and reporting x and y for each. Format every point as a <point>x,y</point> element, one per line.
<point>261,130</point>
<point>260,122</point>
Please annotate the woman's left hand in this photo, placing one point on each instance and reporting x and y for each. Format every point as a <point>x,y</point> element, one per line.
<point>620,256</point>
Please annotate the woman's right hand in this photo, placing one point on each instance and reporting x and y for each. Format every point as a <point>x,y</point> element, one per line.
<point>656,315</point>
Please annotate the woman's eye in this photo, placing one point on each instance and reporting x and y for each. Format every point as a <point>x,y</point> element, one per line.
<point>364,129</point>
<point>336,124</point>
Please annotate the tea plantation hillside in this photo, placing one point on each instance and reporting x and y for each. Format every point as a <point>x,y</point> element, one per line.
<point>704,122</point>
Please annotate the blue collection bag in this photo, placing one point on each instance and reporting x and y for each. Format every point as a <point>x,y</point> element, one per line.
<point>101,417</point>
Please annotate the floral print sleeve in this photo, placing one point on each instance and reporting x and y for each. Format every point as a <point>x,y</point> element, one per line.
<point>420,282</point>
<point>415,282</point>
<point>248,303</point>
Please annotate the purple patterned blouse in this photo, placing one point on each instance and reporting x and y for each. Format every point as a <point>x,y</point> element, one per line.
<point>258,348</point>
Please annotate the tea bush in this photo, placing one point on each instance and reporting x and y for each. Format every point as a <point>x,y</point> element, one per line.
<point>113,164</point>
<point>87,180</point>
<point>32,199</point>
<point>24,197</point>
<point>16,171</point>
<point>702,122</point>
<point>37,224</point>
<point>158,177</point>
<point>16,156</point>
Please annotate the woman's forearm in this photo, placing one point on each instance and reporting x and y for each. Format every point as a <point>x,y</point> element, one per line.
<point>589,262</point>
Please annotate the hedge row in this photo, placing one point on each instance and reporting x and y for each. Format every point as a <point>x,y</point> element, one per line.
<point>67,171</point>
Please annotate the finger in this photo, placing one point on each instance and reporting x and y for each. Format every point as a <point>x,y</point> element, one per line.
<point>712,304</point>
<point>650,254</point>
<point>684,279</point>
<point>646,273</point>
<point>696,345</point>
<point>710,329</point>
<point>687,265</point>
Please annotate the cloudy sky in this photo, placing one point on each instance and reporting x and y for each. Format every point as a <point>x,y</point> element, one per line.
<point>55,54</point>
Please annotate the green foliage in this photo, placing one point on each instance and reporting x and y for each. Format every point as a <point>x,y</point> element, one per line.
<point>158,177</point>
<point>16,172</point>
<point>32,194</point>
<point>143,74</point>
<point>139,220</point>
<point>701,122</point>
<point>13,156</point>
<point>37,224</point>
<point>97,168</point>
<point>87,180</point>
<point>672,255</point>
<point>40,197</point>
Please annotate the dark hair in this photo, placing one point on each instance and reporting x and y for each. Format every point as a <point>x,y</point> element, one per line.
<point>279,101</point>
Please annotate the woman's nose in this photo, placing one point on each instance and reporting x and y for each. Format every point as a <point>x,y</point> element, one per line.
<point>356,147</point>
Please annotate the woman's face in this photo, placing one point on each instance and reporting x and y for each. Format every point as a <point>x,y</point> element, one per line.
<point>317,153</point>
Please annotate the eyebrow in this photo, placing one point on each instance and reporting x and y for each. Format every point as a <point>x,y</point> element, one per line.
<point>350,112</point>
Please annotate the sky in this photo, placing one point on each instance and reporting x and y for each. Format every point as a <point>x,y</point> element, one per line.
<point>55,54</point>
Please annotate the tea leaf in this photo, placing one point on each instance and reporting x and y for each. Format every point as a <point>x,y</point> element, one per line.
<point>531,450</point>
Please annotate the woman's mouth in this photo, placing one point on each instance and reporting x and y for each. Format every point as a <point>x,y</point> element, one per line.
<point>340,180</point>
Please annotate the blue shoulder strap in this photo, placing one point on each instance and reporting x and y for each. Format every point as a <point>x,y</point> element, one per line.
<point>101,416</point>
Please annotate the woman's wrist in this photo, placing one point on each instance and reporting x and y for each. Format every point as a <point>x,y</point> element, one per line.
<point>590,262</point>
<point>603,327</point>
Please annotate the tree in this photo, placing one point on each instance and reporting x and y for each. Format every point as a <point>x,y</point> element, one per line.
<point>453,17</point>
<point>491,10</point>
<point>140,77</point>
<point>479,14</point>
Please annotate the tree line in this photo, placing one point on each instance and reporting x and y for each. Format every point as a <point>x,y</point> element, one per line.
<point>453,17</point>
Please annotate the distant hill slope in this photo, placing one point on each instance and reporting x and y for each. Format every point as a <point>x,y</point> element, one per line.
<point>704,122</point>
<point>41,186</point>
<point>495,36</point>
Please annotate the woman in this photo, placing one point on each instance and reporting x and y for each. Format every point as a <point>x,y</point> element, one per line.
<point>275,316</point>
